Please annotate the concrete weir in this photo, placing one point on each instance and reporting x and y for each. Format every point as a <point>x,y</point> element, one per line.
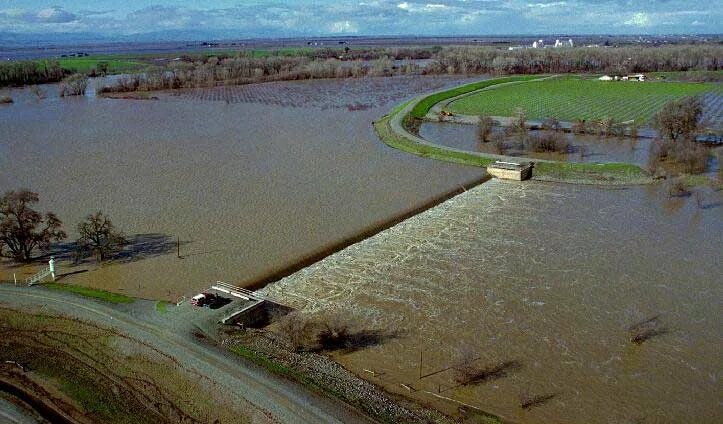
<point>255,313</point>
<point>511,170</point>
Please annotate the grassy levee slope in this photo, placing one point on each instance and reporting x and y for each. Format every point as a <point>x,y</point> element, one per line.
<point>424,105</point>
<point>91,293</point>
<point>572,98</point>
<point>393,130</point>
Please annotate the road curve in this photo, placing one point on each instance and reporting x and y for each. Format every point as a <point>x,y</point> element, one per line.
<point>285,401</point>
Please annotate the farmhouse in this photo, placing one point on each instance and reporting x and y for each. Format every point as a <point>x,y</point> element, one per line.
<point>636,77</point>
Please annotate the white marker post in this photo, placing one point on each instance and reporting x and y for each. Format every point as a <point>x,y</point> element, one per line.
<point>51,266</point>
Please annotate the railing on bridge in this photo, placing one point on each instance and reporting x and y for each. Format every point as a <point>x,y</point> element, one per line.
<point>40,275</point>
<point>236,291</point>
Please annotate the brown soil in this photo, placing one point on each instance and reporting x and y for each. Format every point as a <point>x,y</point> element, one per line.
<point>90,374</point>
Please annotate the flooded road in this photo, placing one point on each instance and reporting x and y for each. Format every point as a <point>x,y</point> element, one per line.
<point>248,185</point>
<point>554,279</point>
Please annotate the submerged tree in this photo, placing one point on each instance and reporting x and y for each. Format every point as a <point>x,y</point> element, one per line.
<point>485,128</point>
<point>99,235</point>
<point>23,229</point>
<point>678,120</point>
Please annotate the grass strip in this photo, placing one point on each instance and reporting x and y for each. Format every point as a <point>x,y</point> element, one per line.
<point>422,108</point>
<point>162,306</point>
<point>91,293</point>
<point>385,133</point>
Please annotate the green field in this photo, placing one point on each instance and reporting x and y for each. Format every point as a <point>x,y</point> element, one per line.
<point>568,99</point>
<point>116,64</point>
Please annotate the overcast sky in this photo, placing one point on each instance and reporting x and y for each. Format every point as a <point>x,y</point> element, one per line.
<point>286,18</point>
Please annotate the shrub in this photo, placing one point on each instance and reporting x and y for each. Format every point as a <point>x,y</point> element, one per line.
<point>676,188</point>
<point>551,124</point>
<point>74,85</point>
<point>691,156</point>
<point>547,141</point>
<point>296,328</point>
<point>579,126</point>
<point>484,128</point>
<point>39,92</point>
<point>607,127</point>
<point>520,122</point>
<point>334,334</point>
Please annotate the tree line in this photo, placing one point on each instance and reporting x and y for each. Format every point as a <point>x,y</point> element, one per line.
<point>242,68</point>
<point>620,60</point>
<point>24,231</point>
<point>246,66</point>
<point>31,72</point>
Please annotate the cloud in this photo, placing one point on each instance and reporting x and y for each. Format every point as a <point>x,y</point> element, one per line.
<point>640,20</point>
<point>55,15</point>
<point>262,18</point>
<point>344,27</point>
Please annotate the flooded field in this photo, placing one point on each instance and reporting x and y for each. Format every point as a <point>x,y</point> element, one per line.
<point>345,93</point>
<point>553,282</point>
<point>584,148</point>
<point>249,185</point>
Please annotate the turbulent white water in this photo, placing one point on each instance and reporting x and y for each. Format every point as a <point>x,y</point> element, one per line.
<point>550,276</point>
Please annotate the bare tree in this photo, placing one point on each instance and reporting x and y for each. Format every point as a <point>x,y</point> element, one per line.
<point>296,328</point>
<point>99,235</point>
<point>678,120</point>
<point>520,122</point>
<point>485,128</point>
<point>23,229</point>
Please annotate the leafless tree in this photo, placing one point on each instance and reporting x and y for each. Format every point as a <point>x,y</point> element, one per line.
<point>484,128</point>
<point>99,235</point>
<point>23,229</point>
<point>678,120</point>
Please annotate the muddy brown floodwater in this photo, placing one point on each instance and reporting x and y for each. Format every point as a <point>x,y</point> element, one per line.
<point>584,148</point>
<point>553,280</point>
<point>250,184</point>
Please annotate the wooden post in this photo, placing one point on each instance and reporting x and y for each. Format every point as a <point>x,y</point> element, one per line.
<point>178,247</point>
<point>15,279</point>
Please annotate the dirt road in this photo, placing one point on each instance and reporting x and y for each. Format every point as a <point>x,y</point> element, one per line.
<point>285,401</point>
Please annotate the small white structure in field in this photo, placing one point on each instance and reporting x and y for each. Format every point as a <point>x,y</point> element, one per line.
<point>539,44</point>
<point>606,78</point>
<point>570,43</point>
<point>51,267</point>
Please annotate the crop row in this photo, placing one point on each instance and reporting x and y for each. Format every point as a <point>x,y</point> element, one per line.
<point>572,98</point>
